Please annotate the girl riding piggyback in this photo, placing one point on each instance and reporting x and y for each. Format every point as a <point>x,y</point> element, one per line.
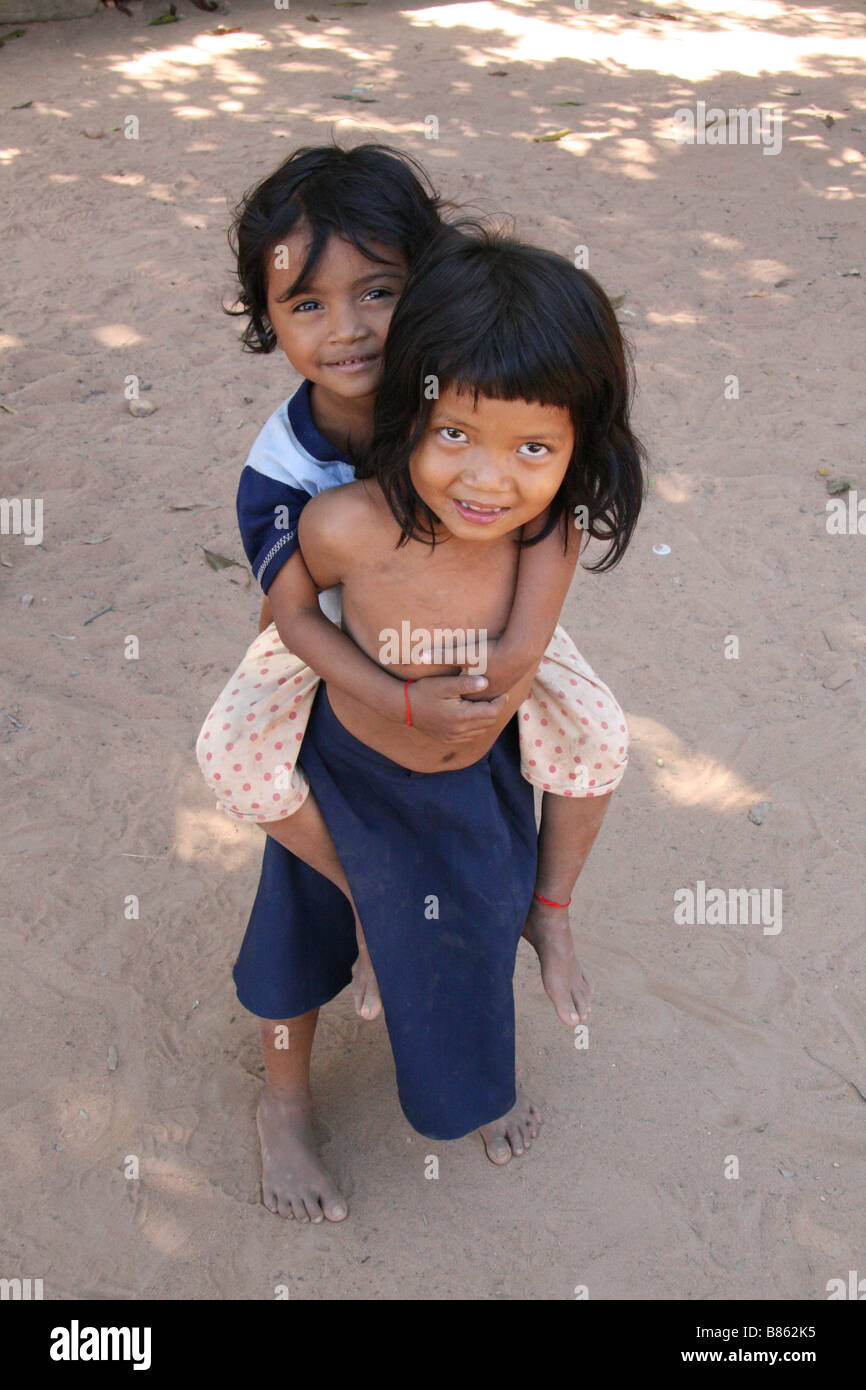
<point>502,416</point>
<point>324,248</point>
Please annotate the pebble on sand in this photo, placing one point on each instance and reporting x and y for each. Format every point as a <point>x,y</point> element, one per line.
<point>840,673</point>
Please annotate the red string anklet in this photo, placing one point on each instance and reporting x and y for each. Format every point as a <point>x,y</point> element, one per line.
<point>547,902</point>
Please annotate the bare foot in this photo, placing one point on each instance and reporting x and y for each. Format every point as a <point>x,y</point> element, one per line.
<point>365,986</point>
<point>294,1182</point>
<point>507,1137</point>
<point>568,987</point>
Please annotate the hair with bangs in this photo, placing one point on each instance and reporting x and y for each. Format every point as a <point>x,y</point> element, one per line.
<point>490,316</point>
<point>371,193</point>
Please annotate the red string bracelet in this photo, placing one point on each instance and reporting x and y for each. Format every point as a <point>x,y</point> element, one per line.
<point>408,706</point>
<point>547,902</point>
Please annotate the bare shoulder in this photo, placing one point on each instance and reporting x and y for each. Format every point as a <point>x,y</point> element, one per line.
<point>333,514</point>
<point>334,504</point>
<point>334,522</point>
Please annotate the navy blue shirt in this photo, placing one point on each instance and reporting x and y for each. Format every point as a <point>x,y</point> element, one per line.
<point>290,462</point>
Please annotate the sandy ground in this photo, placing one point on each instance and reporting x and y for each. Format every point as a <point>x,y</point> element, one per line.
<point>706,1041</point>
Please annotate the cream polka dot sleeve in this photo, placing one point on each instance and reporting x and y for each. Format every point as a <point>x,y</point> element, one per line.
<point>573,734</point>
<point>249,744</point>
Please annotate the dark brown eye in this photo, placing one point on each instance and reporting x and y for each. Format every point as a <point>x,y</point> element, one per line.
<point>533,444</point>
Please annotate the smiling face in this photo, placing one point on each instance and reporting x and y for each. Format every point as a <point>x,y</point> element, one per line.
<point>487,468</point>
<point>333,327</point>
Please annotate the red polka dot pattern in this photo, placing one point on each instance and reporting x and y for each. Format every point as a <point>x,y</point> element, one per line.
<point>255,752</point>
<point>563,693</point>
<point>554,722</point>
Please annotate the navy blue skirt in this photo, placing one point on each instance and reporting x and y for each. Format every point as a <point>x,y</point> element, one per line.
<point>442,868</point>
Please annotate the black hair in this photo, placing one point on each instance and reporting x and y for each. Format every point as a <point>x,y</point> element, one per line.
<point>488,315</point>
<point>366,194</point>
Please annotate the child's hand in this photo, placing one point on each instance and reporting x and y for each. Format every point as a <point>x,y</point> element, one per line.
<point>439,710</point>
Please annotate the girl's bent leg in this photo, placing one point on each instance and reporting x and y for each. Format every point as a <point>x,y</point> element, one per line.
<point>294,1182</point>
<point>306,835</point>
<point>569,826</point>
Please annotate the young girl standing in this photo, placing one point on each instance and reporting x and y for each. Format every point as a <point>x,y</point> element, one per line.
<point>324,246</point>
<point>438,845</point>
